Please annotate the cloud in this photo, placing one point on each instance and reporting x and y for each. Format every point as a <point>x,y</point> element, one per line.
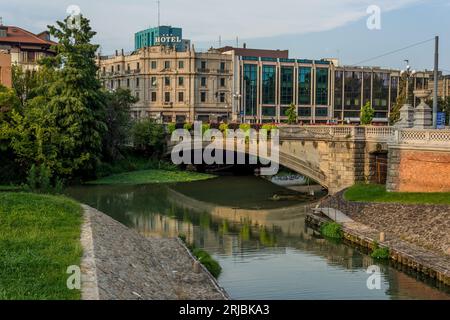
<point>202,20</point>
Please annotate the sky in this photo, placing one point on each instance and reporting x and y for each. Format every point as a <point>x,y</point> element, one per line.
<point>310,29</point>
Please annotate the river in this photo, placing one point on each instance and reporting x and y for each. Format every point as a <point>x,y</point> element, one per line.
<point>263,245</point>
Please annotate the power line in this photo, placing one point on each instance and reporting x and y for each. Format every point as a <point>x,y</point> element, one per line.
<point>392,52</point>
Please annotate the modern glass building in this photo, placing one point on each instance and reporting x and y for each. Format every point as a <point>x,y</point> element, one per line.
<point>321,90</point>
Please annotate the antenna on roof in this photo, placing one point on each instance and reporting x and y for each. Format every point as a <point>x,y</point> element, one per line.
<point>159,12</point>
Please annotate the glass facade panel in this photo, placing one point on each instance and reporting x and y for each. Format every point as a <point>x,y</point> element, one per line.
<point>304,112</point>
<point>304,86</point>
<point>394,90</point>
<point>287,86</point>
<point>322,86</point>
<point>268,84</point>
<point>338,76</point>
<point>352,91</point>
<point>367,87</point>
<point>250,88</point>
<point>380,94</point>
<point>269,111</point>
<point>321,112</point>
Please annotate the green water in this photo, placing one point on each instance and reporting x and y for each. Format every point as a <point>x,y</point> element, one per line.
<point>264,247</point>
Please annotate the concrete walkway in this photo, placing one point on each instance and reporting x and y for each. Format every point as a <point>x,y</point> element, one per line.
<point>334,215</point>
<point>120,264</point>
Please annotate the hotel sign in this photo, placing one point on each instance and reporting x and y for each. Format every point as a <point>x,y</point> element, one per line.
<point>165,39</point>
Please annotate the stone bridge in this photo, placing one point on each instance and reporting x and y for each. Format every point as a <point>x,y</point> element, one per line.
<point>339,156</point>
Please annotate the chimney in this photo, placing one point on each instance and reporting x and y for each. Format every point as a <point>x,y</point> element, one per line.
<point>245,46</point>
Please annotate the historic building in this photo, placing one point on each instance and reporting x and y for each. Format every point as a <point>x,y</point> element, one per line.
<point>25,48</point>
<point>171,85</point>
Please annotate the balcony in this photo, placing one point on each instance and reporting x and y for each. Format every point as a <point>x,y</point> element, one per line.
<point>203,70</point>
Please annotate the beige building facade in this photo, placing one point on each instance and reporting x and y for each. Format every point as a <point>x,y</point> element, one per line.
<point>172,86</point>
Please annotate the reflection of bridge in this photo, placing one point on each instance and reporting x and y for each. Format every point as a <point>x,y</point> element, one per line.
<point>338,156</point>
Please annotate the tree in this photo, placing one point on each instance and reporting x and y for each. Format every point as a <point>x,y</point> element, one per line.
<point>291,113</point>
<point>394,115</point>
<point>118,122</point>
<point>367,114</point>
<point>148,136</point>
<point>24,83</point>
<point>61,127</point>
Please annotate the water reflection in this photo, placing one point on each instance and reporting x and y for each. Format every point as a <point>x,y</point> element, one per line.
<point>264,246</point>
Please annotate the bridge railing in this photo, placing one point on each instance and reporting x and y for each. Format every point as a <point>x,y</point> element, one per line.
<point>381,134</point>
<point>422,136</point>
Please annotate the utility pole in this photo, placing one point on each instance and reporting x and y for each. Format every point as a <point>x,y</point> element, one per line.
<point>436,76</point>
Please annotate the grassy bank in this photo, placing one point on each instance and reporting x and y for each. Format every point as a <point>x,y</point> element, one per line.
<point>378,193</point>
<point>151,176</point>
<point>39,239</point>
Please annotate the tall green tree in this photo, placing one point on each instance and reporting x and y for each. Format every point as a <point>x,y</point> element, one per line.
<point>148,136</point>
<point>367,114</point>
<point>118,121</point>
<point>24,83</point>
<point>62,126</point>
<point>394,115</point>
<point>291,113</point>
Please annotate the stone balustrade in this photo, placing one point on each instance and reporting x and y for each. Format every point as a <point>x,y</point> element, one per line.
<point>422,136</point>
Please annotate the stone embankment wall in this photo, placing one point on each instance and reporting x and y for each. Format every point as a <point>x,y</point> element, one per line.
<point>120,264</point>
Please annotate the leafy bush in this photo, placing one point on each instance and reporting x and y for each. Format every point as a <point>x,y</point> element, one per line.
<point>187,126</point>
<point>39,180</point>
<point>223,127</point>
<point>269,127</point>
<point>148,136</point>
<point>331,230</point>
<point>379,253</point>
<point>205,127</point>
<point>204,258</point>
<point>171,127</point>
<point>367,114</point>
<point>245,127</point>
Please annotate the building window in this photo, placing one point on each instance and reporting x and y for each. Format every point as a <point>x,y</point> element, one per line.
<point>321,112</point>
<point>203,96</point>
<point>304,112</point>
<point>154,82</point>
<point>166,64</point>
<point>167,97</point>
<point>304,86</point>
<point>128,83</point>
<point>203,81</point>
<point>153,96</point>
<point>222,82</point>
<point>380,97</point>
<point>222,66</point>
<point>138,66</point>
<point>287,86</point>
<point>137,95</point>
<point>222,97</point>
<point>250,88</point>
<point>268,111</point>
<point>181,81</point>
<point>352,90</point>
<point>153,65</point>
<point>321,86</point>
<point>367,78</point>
<point>180,64</point>
<point>338,82</point>
<point>112,69</point>
<point>137,83</point>
<point>167,81</point>
<point>104,70</point>
<point>112,84</point>
<point>118,68</point>
<point>268,84</point>
<point>180,96</point>
<point>203,65</point>
<point>128,67</point>
<point>394,90</point>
